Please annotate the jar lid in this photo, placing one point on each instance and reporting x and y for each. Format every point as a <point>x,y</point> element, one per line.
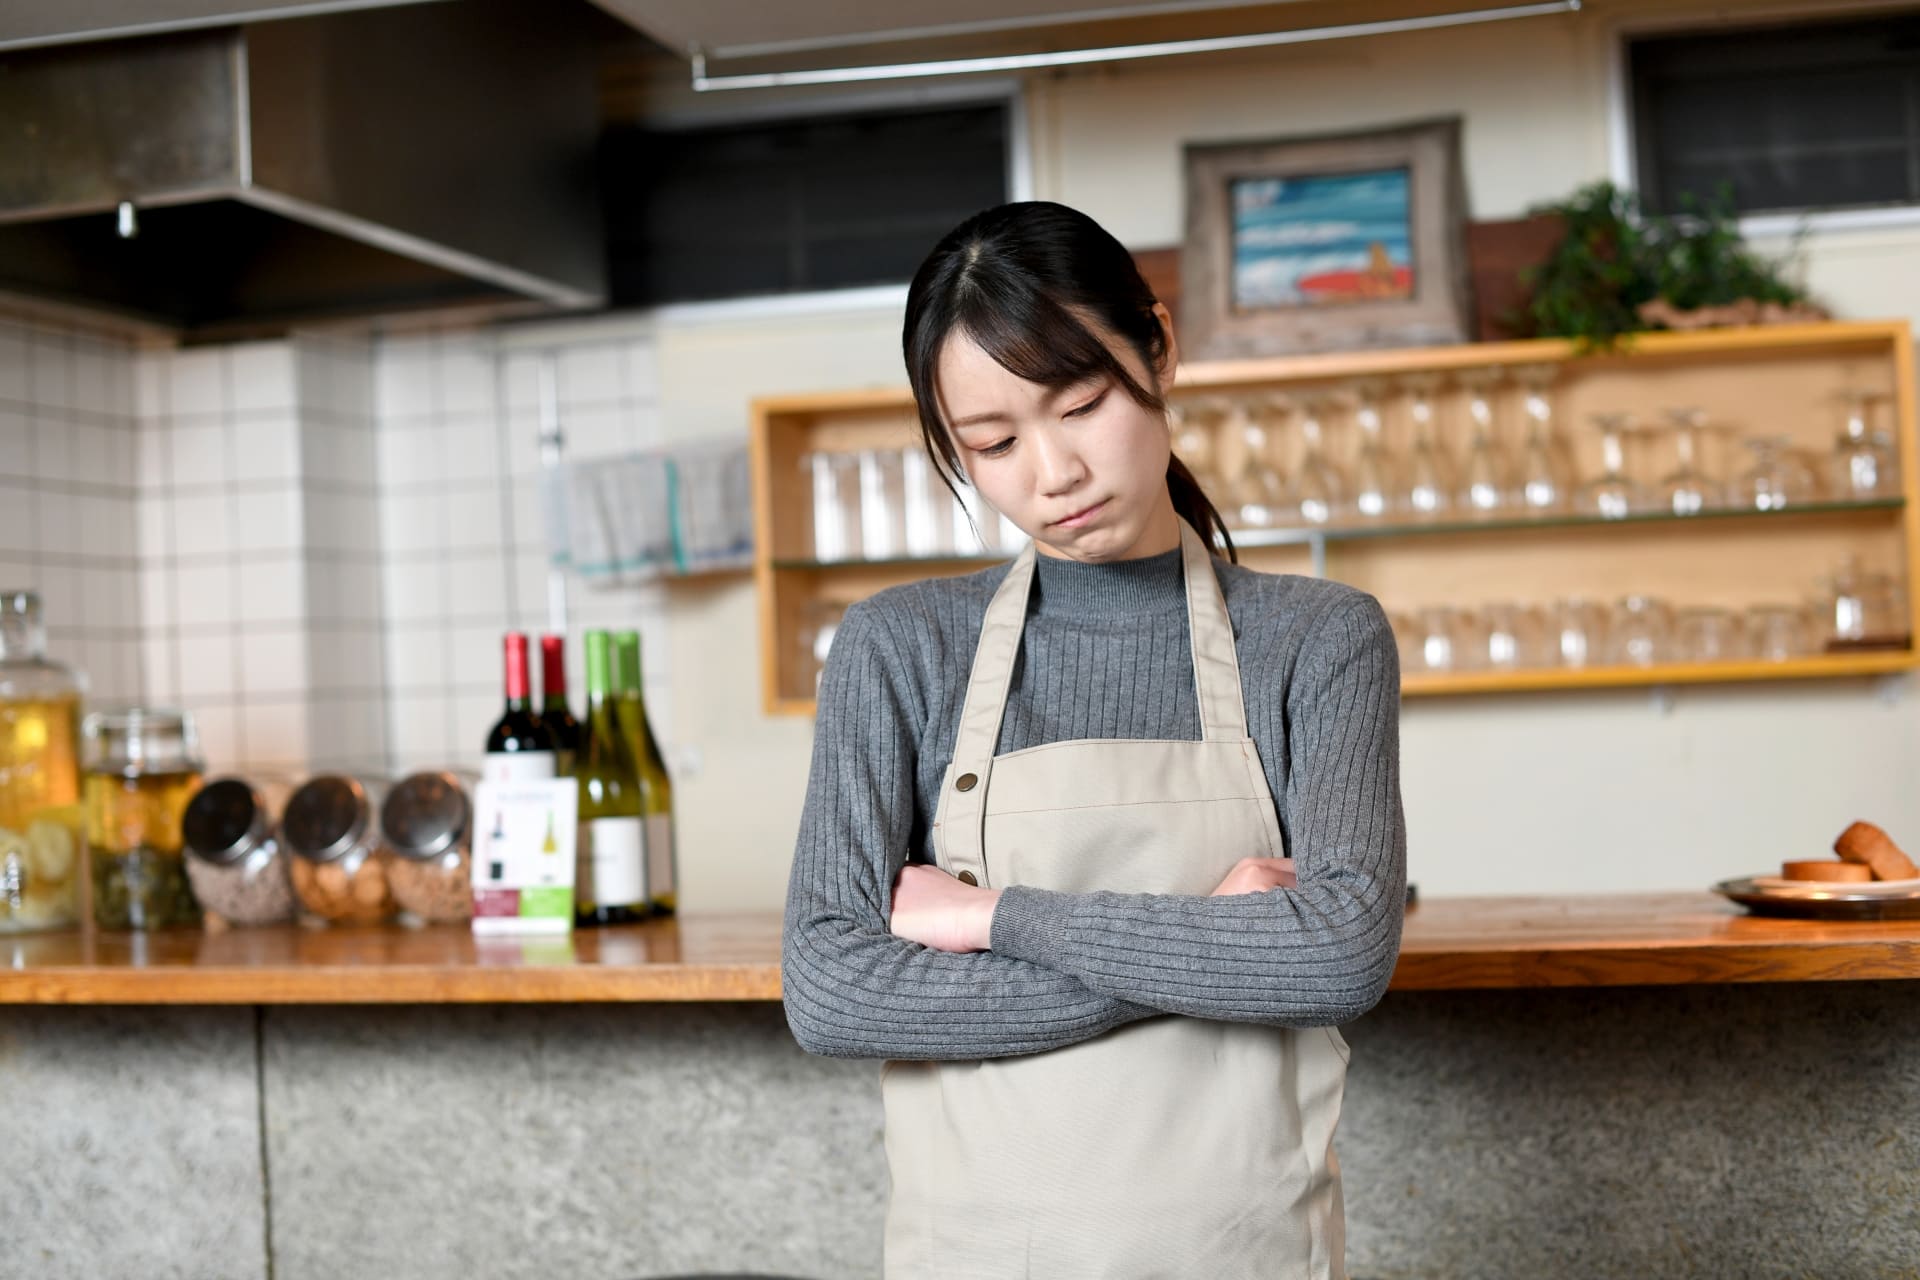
<point>224,821</point>
<point>326,817</point>
<point>425,815</point>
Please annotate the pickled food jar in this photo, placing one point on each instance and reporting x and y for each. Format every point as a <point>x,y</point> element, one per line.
<point>142,767</point>
<point>41,862</point>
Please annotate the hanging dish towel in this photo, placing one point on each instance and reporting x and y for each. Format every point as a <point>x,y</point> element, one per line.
<point>636,517</point>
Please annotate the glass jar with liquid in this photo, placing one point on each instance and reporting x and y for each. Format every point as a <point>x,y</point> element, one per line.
<point>142,768</point>
<point>41,862</point>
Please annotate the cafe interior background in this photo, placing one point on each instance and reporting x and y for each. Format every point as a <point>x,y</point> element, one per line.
<point>304,510</point>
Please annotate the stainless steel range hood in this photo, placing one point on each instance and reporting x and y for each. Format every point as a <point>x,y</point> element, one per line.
<point>279,172</point>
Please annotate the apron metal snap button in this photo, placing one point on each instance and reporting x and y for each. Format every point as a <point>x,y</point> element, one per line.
<point>966,782</point>
<point>966,877</point>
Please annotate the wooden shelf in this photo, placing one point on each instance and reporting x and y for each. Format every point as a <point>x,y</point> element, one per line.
<point>1448,944</point>
<point>1777,380</point>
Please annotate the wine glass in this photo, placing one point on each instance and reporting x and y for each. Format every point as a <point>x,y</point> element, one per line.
<point>1430,477</point>
<point>1612,495</point>
<point>1546,473</point>
<point>1192,429</point>
<point>1686,490</point>
<point>1777,478</point>
<point>1489,486</point>
<point>1863,465</point>
<point>1376,482</point>
<point>1319,488</point>
<point>1261,496</point>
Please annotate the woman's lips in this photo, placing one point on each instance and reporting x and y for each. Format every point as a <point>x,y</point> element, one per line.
<point>1079,518</point>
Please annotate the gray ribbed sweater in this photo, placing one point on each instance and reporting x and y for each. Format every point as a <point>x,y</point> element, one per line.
<point>1105,655</point>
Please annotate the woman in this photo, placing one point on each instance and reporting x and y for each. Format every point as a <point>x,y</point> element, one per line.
<point>1099,845</point>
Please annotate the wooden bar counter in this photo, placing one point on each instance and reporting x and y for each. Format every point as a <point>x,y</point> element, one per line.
<point>1450,944</point>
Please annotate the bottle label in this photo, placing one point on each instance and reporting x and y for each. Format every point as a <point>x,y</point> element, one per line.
<point>612,862</point>
<point>660,854</point>
<point>508,767</point>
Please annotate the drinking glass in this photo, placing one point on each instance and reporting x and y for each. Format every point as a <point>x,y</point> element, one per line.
<point>1488,488</point>
<point>1777,477</point>
<point>1780,632</point>
<point>1863,464</point>
<point>1256,490</point>
<point>1447,639</point>
<point>929,507</point>
<point>1430,476</point>
<point>883,505</point>
<point>1705,633</point>
<point>834,478</point>
<point>1193,428</point>
<point>1319,489</point>
<point>1407,638</point>
<point>1516,637</point>
<point>1546,472</point>
<point>1376,481</point>
<point>1612,495</point>
<point>1578,633</point>
<point>1686,490</point>
<point>1642,632</point>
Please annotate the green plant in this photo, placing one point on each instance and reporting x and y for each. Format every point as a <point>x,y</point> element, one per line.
<point>1613,260</point>
<point>1699,259</point>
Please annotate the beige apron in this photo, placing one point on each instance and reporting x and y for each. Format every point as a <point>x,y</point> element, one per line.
<point>1174,1146</point>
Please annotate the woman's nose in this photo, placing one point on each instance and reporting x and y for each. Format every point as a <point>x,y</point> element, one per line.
<point>1060,468</point>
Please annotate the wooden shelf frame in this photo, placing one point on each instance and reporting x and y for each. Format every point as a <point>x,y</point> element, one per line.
<point>786,581</point>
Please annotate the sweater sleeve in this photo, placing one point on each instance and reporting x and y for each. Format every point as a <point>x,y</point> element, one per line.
<point>1320,953</point>
<point>851,987</point>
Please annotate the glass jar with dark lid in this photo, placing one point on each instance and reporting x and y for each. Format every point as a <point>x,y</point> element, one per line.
<point>142,767</point>
<point>339,868</point>
<point>427,821</point>
<point>234,859</point>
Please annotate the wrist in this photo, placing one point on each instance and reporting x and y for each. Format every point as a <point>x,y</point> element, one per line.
<point>983,923</point>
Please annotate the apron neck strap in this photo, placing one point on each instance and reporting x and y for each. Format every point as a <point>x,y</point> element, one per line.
<point>1216,665</point>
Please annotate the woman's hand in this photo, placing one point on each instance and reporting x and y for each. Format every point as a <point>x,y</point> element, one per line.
<point>1256,875</point>
<point>935,910</point>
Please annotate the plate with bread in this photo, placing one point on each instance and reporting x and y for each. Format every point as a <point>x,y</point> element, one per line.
<point>1872,878</point>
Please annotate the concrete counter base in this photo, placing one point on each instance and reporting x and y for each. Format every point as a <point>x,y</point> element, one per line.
<point>1753,1130</point>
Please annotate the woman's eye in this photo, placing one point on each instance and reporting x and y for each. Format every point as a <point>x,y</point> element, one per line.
<point>1088,407</point>
<point>995,450</point>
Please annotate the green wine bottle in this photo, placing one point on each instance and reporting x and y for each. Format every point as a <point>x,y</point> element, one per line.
<point>656,785</point>
<point>611,884</point>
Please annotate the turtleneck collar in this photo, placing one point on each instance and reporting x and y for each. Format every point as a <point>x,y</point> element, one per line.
<point>1149,584</point>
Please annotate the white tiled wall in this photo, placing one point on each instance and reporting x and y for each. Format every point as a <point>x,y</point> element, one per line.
<point>260,550</point>
<point>464,535</point>
<point>68,497</point>
<point>315,544</point>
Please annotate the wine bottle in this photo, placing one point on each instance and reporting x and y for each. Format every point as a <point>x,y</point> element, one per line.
<point>519,748</point>
<point>554,711</point>
<point>656,785</point>
<point>611,884</point>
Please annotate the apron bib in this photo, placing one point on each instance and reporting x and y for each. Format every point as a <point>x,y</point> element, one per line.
<point>1173,1146</point>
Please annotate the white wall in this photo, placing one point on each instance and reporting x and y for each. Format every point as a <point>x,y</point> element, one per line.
<point>69,495</point>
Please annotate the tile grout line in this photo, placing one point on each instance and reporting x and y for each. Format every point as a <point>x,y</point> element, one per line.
<point>260,1104</point>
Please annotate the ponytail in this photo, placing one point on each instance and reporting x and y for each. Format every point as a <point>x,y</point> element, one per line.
<point>1193,506</point>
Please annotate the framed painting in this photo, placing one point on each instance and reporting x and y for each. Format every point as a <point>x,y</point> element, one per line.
<point>1326,243</point>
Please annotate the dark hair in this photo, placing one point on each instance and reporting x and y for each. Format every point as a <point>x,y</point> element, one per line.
<point>1023,281</point>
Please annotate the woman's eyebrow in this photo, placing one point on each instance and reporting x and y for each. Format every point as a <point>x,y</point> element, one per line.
<point>979,419</point>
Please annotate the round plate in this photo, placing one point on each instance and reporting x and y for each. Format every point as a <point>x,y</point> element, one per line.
<point>1836,904</point>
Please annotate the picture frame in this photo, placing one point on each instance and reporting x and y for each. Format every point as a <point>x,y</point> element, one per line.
<point>1333,242</point>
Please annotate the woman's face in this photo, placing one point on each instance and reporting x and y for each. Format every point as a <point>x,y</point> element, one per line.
<point>1082,469</point>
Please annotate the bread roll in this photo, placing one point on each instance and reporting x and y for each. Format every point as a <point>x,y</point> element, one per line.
<point>1822,869</point>
<point>1871,847</point>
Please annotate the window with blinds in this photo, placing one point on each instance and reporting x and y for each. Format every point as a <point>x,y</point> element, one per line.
<point>793,205</point>
<point>1811,116</point>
